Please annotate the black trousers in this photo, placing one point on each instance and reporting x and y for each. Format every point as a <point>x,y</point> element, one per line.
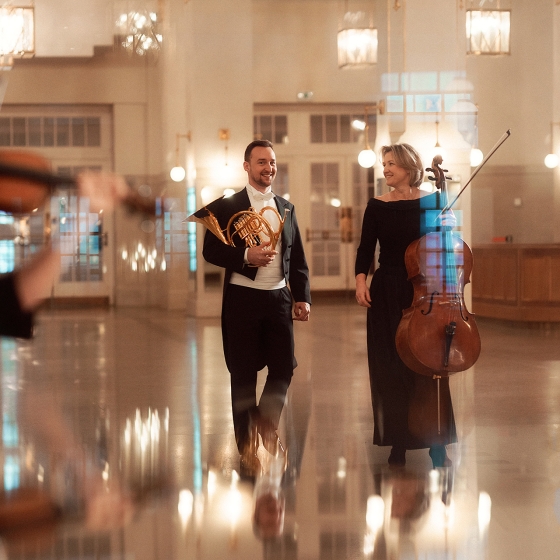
<point>257,332</point>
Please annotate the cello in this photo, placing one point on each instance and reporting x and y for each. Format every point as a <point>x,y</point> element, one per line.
<point>437,335</point>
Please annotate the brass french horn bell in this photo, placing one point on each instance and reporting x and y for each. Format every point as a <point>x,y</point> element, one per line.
<point>250,226</point>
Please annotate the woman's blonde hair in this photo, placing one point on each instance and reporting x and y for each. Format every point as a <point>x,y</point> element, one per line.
<point>408,158</point>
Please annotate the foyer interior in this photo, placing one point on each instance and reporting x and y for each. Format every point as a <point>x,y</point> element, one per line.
<point>120,407</point>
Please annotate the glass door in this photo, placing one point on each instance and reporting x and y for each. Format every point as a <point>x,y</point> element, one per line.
<point>340,190</point>
<point>72,138</point>
<point>85,244</point>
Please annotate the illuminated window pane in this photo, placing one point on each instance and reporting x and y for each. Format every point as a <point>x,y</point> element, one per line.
<point>390,82</point>
<point>7,256</point>
<point>395,104</point>
<point>428,103</point>
<point>423,81</point>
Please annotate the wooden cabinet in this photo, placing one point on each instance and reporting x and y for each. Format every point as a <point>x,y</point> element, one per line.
<point>517,282</point>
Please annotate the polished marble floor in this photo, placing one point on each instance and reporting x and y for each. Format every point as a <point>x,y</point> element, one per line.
<point>122,418</point>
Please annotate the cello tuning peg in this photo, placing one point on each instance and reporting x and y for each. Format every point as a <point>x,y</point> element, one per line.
<point>431,178</point>
<point>448,177</point>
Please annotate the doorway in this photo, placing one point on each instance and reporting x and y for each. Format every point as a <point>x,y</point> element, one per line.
<point>340,189</point>
<point>73,138</point>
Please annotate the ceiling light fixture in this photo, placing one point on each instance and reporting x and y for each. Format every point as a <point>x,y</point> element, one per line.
<point>488,31</point>
<point>17,34</point>
<point>137,28</point>
<point>178,172</point>
<point>357,41</point>
<point>367,157</point>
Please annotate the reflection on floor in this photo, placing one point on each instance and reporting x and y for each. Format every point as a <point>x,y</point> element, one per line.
<point>122,418</point>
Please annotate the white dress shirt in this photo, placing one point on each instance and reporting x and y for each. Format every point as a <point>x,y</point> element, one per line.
<point>269,277</point>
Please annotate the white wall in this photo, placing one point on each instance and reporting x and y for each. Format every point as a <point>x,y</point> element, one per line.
<point>295,49</point>
<point>71,28</point>
<point>517,92</point>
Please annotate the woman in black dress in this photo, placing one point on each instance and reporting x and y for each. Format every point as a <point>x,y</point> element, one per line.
<point>403,401</point>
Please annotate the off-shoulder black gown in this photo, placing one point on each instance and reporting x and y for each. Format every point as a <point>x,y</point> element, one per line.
<point>403,401</point>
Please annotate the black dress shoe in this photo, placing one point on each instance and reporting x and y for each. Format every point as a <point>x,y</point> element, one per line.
<point>397,456</point>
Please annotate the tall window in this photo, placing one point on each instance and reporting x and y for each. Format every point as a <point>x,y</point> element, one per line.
<point>325,188</point>
<point>271,127</point>
<point>7,249</point>
<point>50,131</point>
<point>339,129</point>
<point>81,234</point>
<point>281,185</point>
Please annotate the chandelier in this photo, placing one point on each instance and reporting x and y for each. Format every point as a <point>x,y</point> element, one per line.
<point>136,29</point>
<point>17,34</point>
<point>488,31</point>
<point>357,43</point>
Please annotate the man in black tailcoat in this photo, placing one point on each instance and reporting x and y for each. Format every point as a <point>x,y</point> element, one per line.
<point>265,289</point>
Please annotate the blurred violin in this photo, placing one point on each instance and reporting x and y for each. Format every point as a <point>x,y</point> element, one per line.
<point>27,181</point>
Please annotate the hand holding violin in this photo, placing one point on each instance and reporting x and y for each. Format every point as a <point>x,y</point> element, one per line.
<point>26,182</point>
<point>104,190</point>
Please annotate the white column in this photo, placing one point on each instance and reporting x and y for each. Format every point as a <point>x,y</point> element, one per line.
<point>221,97</point>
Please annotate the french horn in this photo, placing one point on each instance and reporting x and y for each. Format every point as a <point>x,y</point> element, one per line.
<point>249,226</point>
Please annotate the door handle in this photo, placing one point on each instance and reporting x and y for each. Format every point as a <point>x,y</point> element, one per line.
<point>346,230</point>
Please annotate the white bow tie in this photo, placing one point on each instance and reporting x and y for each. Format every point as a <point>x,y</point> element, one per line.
<point>263,196</point>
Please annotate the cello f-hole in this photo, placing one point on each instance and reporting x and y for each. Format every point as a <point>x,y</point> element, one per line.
<point>431,304</point>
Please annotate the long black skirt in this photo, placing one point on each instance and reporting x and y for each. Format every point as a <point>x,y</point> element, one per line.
<point>409,409</point>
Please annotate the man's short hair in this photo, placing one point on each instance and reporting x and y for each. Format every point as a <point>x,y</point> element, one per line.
<point>254,144</point>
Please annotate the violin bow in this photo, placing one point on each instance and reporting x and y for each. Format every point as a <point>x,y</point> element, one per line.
<point>502,139</point>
